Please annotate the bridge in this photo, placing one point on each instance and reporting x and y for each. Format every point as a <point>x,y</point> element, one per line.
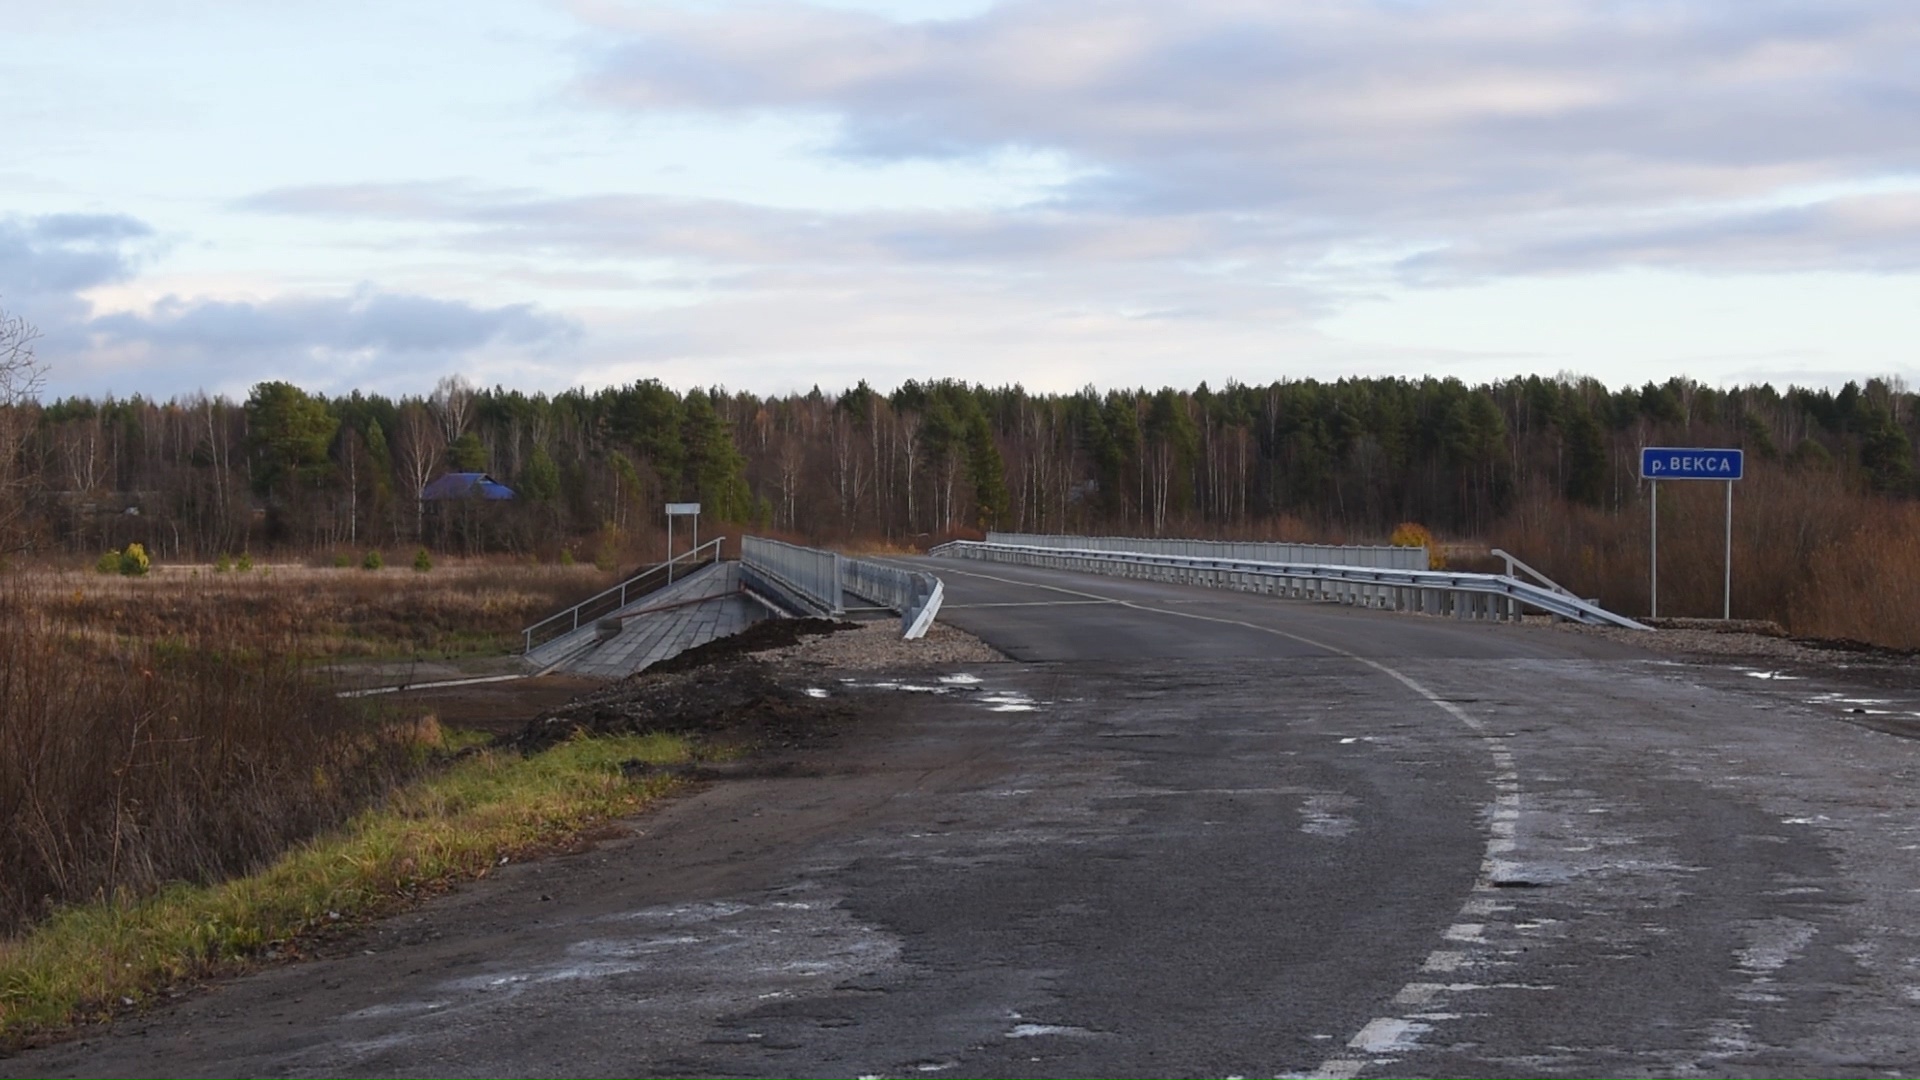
<point>1201,825</point>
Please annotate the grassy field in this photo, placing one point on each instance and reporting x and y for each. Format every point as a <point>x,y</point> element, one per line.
<point>181,786</point>
<point>459,607</point>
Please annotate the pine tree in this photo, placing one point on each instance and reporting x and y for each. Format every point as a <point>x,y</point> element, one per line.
<point>988,473</point>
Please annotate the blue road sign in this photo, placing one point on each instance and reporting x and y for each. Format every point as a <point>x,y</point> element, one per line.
<point>1690,463</point>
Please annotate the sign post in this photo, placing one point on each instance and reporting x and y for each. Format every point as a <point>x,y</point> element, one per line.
<point>1659,463</point>
<point>675,510</point>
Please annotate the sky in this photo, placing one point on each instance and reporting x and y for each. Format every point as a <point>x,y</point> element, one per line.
<point>199,195</point>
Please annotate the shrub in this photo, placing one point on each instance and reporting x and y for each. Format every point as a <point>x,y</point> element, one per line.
<point>373,561</point>
<point>342,560</point>
<point>108,563</point>
<point>245,563</point>
<point>134,561</point>
<point>223,564</point>
<point>606,555</point>
<point>566,557</point>
<point>422,562</point>
<point>1414,534</point>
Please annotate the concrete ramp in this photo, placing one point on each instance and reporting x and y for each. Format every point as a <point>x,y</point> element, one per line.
<point>708,604</point>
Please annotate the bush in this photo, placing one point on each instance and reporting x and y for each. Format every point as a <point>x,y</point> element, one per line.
<point>245,563</point>
<point>373,561</point>
<point>134,561</point>
<point>223,564</point>
<point>342,560</point>
<point>566,557</point>
<point>1414,534</point>
<point>422,562</point>
<point>606,555</point>
<point>108,563</point>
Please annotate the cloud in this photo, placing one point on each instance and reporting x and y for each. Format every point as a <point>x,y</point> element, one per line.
<point>369,339</point>
<point>370,335</point>
<point>1858,232</point>
<point>736,236</point>
<point>398,326</point>
<point>53,256</point>
<point>1377,122</point>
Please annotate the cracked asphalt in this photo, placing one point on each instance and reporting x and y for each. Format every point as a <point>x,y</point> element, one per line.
<point>1185,833</point>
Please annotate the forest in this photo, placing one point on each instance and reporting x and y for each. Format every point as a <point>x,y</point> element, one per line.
<point>1546,466</point>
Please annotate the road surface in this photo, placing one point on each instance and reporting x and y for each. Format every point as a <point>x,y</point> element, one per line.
<point>1187,833</point>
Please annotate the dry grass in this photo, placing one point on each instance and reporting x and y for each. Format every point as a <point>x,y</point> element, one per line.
<point>1807,553</point>
<point>335,612</point>
<point>171,767</point>
<point>91,959</point>
<point>127,764</point>
<point>171,728</point>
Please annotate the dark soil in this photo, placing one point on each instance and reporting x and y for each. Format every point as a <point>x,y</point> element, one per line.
<point>1862,648</point>
<point>725,702</point>
<point>761,636</point>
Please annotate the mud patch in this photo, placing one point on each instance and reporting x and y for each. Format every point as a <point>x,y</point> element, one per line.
<point>760,637</point>
<point>737,701</point>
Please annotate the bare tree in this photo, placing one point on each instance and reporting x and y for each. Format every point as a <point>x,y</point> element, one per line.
<point>21,376</point>
<point>416,454</point>
<point>452,404</point>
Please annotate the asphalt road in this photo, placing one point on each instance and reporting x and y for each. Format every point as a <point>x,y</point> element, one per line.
<point>1187,833</point>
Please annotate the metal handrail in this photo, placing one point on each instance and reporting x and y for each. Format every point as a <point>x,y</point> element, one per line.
<point>815,580</point>
<point>807,577</point>
<point>1513,562</point>
<point>1557,603</point>
<point>621,589</point>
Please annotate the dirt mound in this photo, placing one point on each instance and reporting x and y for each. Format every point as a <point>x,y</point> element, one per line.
<point>736,701</point>
<point>761,636</point>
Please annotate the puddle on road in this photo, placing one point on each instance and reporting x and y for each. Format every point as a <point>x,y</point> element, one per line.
<point>1326,815</point>
<point>1027,1029</point>
<point>970,687</point>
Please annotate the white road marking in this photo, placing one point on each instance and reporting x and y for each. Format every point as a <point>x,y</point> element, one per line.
<point>1386,1034</point>
<point>1030,603</point>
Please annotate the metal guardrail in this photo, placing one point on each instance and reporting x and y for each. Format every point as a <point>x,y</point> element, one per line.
<point>566,622</point>
<point>915,594</point>
<point>1436,592</point>
<point>1397,558</point>
<point>816,581</point>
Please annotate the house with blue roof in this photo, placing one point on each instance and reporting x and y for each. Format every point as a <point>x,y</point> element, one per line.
<point>465,485</point>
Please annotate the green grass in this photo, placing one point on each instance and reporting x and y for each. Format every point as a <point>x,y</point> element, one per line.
<point>87,960</point>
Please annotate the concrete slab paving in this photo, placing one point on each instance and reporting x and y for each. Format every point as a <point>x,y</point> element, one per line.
<point>708,604</point>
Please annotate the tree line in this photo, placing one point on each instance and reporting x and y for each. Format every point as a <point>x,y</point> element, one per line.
<point>286,468</point>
